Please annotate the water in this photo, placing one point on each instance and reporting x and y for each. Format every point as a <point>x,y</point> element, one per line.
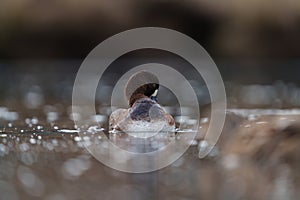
<point>42,155</point>
<point>42,159</point>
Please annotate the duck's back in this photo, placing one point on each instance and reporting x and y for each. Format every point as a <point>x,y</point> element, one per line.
<point>144,115</point>
<point>146,109</point>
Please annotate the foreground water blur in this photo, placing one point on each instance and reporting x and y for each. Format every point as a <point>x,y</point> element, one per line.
<point>46,158</point>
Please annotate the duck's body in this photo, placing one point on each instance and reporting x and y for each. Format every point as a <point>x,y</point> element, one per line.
<point>143,114</point>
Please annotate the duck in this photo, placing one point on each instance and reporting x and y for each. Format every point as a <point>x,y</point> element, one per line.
<point>144,114</point>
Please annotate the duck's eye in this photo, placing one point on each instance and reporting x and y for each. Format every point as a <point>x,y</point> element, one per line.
<point>155,85</point>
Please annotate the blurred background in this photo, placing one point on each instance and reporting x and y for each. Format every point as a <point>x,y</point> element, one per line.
<point>69,29</point>
<point>255,45</point>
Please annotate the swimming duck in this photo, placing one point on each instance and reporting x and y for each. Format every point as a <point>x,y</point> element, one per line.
<point>144,113</point>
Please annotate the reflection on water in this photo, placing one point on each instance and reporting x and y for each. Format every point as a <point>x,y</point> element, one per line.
<point>155,142</point>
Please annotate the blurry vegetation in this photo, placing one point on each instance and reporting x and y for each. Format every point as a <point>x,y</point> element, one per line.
<point>71,28</point>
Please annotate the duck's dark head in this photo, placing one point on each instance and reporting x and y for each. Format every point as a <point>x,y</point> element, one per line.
<point>140,85</point>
